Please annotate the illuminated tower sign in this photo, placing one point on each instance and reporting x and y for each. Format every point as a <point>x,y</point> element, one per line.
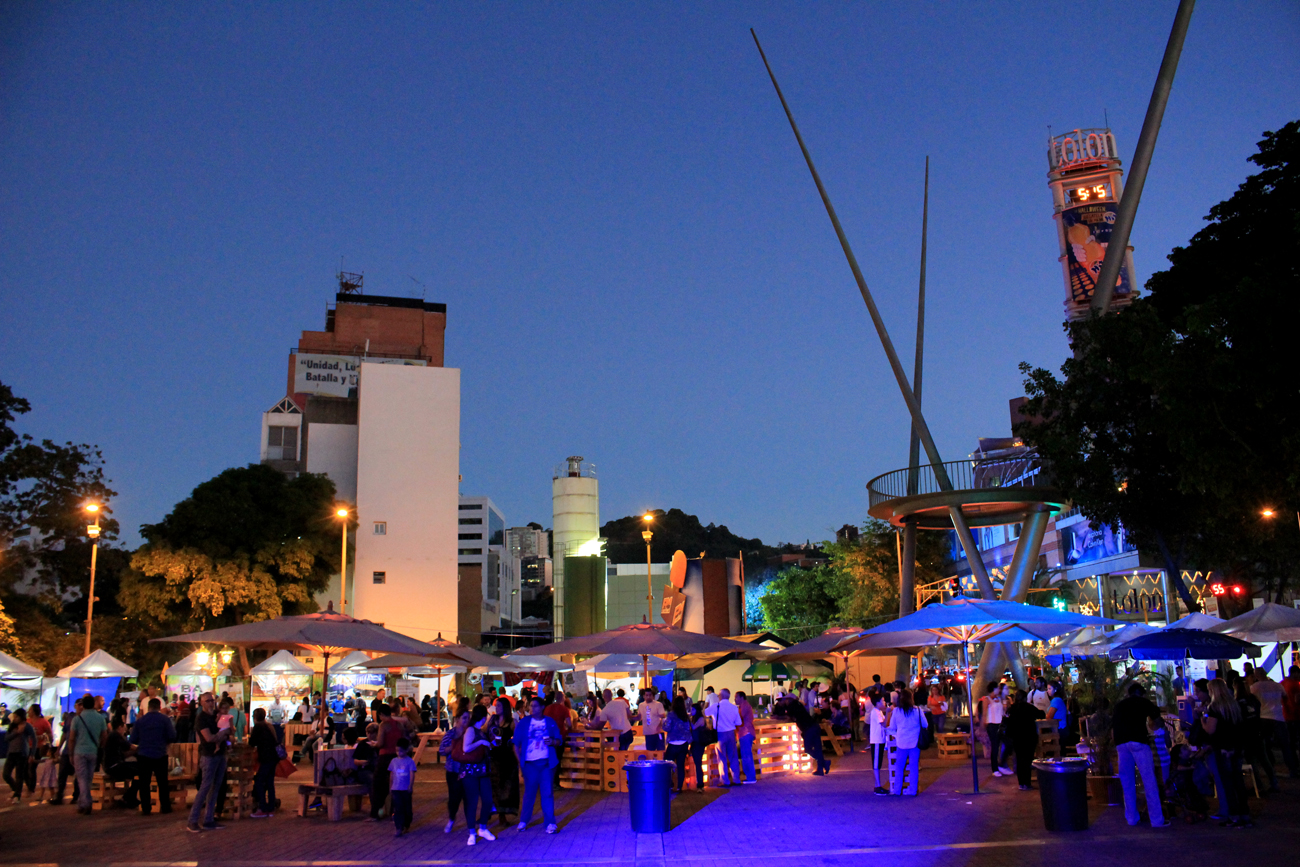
<point>1086,181</point>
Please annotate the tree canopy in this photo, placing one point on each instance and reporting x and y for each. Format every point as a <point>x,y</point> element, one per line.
<point>248,544</point>
<point>1178,417</point>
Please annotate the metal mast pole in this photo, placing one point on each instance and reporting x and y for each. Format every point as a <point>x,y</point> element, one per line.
<point>914,443</point>
<point>1128,203</point>
<point>918,420</point>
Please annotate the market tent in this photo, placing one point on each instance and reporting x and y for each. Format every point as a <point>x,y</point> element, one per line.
<point>281,662</point>
<point>1195,620</point>
<point>357,659</point>
<point>11,668</point>
<point>1261,624</point>
<point>189,667</point>
<point>98,664</point>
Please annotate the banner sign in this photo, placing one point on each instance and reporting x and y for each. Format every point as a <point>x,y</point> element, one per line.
<point>1087,234</point>
<point>336,375</point>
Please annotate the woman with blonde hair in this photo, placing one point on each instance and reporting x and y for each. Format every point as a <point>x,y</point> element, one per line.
<point>1221,720</point>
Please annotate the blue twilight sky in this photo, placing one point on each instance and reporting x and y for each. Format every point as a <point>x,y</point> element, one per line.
<point>610,202</point>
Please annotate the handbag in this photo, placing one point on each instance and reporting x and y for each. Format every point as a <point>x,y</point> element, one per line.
<point>285,768</point>
<point>330,775</point>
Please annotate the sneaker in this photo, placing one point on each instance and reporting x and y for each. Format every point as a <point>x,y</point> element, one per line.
<point>551,829</point>
<point>486,834</point>
<point>521,826</point>
<point>1165,824</point>
<point>192,828</point>
<point>750,783</point>
<point>451,823</point>
<point>997,773</point>
<point>259,815</point>
<point>398,832</point>
<point>881,790</point>
<point>215,826</point>
<point>472,839</point>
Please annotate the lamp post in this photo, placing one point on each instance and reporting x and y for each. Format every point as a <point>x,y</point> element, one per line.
<point>93,532</point>
<point>213,663</point>
<point>342,514</point>
<point>649,584</point>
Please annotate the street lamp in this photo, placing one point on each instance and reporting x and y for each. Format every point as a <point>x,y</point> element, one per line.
<point>342,514</point>
<point>93,532</point>
<point>649,584</point>
<point>213,663</point>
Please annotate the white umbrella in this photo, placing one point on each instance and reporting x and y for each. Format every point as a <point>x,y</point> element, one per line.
<point>1105,643</point>
<point>623,662</point>
<point>355,660</point>
<point>281,662</point>
<point>1261,625</point>
<point>1195,620</point>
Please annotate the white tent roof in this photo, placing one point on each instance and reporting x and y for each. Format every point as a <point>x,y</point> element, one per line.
<point>1262,624</point>
<point>189,667</point>
<point>10,667</point>
<point>99,664</point>
<point>281,662</point>
<point>1196,620</point>
<point>353,660</point>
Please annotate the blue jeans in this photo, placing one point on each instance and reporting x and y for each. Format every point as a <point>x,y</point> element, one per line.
<point>747,756</point>
<point>537,779</point>
<point>84,767</point>
<point>625,740</point>
<point>654,742</point>
<point>730,771</point>
<point>401,808</point>
<point>264,788</point>
<point>676,753</point>
<point>214,771</point>
<point>1134,759</point>
<point>812,745</point>
<point>478,793</point>
<point>906,762</point>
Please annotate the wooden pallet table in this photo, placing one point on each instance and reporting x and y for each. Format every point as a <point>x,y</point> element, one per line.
<point>333,796</point>
<point>953,745</point>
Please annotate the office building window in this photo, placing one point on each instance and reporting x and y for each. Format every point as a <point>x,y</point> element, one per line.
<point>282,443</point>
<point>381,577</point>
<point>470,552</point>
<point>471,520</point>
<point>470,507</point>
<point>470,536</point>
<point>381,528</point>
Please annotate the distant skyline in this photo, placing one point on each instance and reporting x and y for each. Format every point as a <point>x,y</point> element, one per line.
<point>635,263</point>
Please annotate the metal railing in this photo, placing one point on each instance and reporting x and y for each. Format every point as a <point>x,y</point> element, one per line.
<point>1025,470</point>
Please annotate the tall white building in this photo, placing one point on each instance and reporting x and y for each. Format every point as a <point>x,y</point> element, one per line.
<point>489,574</point>
<point>575,504</point>
<point>370,405</point>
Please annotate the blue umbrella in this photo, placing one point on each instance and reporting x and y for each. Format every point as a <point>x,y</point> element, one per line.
<point>1174,644</point>
<point>967,620</point>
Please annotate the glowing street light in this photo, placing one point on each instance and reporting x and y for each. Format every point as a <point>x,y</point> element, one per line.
<point>1267,513</point>
<point>342,514</point>
<point>649,583</point>
<point>93,532</point>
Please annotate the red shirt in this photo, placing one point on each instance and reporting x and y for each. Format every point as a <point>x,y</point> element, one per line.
<point>1291,699</point>
<point>560,714</point>
<point>390,732</point>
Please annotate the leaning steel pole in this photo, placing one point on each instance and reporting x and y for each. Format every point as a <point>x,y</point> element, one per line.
<point>1146,145</point>
<point>918,420</point>
<point>914,443</point>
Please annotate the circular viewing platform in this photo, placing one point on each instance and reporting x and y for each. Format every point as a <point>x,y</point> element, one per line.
<point>990,491</point>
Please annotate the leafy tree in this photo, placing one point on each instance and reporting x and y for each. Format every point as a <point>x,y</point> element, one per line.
<point>801,603</point>
<point>9,642</point>
<point>1178,417</point>
<point>43,489</point>
<point>249,544</point>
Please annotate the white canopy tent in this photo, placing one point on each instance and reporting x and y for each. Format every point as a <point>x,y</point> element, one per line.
<point>99,664</point>
<point>281,662</point>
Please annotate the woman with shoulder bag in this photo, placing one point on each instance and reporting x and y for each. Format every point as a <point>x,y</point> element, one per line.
<point>471,752</point>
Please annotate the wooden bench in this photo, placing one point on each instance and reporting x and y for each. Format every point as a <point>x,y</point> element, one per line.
<point>428,740</point>
<point>106,791</point>
<point>953,745</point>
<point>333,797</point>
<point>829,737</point>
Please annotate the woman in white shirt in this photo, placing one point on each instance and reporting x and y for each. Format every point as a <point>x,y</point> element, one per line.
<point>906,724</point>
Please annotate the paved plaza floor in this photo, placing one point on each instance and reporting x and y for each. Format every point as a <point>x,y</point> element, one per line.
<point>797,820</point>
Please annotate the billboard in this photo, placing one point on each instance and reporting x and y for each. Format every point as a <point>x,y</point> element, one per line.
<point>336,375</point>
<point>1087,234</point>
<point>1080,543</point>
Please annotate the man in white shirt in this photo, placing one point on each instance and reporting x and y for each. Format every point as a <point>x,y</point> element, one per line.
<point>710,697</point>
<point>1272,718</point>
<point>615,715</point>
<point>1038,696</point>
<point>652,720</point>
<point>726,719</point>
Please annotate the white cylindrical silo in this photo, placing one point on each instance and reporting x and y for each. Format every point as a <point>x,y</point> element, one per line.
<point>575,504</point>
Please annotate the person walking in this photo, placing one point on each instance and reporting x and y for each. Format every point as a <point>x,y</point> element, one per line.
<point>906,724</point>
<point>747,733</point>
<point>1020,725</point>
<point>677,728</point>
<point>20,746</point>
<point>152,733</point>
<point>262,739</point>
<point>473,760</point>
<point>390,731</point>
<point>212,765</point>
<point>401,779</point>
<point>876,734</point>
<point>557,710</point>
<point>1132,724</point>
<point>535,740</point>
<point>89,732</point>
<point>451,767</point>
<point>726,720</point>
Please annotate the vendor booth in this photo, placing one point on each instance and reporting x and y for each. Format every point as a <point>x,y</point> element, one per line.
<point>99,674</point>
<point>282,676</point>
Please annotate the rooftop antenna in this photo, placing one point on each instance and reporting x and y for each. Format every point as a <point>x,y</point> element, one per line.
<point>959,522</point>
<point>349,283</point>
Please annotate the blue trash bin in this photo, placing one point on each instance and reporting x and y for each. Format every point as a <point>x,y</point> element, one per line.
<point>1063,789</point>
<point>649,782</point>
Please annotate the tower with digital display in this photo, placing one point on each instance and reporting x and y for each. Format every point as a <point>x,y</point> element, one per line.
<point>1086,180</point>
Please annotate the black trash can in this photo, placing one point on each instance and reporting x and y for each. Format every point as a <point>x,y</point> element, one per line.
<point>1063,787</point>
<point>649,782</point>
